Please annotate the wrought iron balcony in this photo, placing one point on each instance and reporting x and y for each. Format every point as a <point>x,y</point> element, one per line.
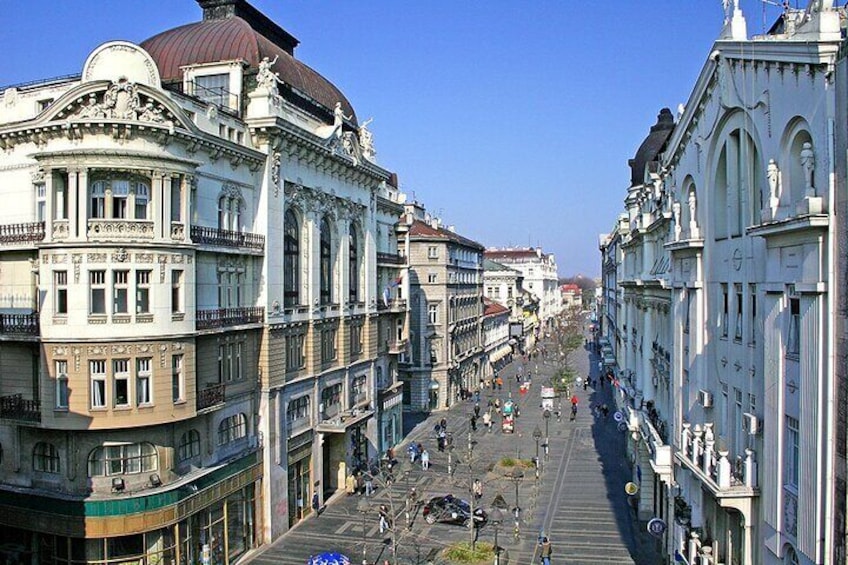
<point>19,324</point>
<point>15,407</point>
<point>22,233</point>
<point>224,317</point>
<point>226,238</point>
<point>210,396</point>
<point>393,305</point>
<point>390,259</point>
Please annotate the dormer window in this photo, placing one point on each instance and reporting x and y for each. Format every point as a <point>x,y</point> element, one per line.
<point>213,89</point>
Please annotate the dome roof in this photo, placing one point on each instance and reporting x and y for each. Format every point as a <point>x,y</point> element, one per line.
<point>234,38</point>
<point>651,147</point>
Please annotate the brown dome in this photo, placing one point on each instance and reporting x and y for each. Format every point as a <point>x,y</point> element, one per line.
<point>233,38</point>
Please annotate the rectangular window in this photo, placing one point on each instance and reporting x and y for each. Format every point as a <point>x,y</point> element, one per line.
<point>328,345</point>
<point>294,352</point>
<point>431,278</point>
<point>793,341</point>
<point>142,292</point>
<point>723,319</point>
<point>752,332</point>
<point>737,334</point>
<point>792,453</point>
<point>120,292</point>
<point>223,364</point>
<point>40,202</point>
<point>355,339</point>
<point>298,409</point>
<point>433,252</point>
<point>120,194</point>
<point>121,380</point>
<point>176,292</point>
<point>687,298</point>
<point>97,372</point>
<point>238,374</point>
<point>176,200</point>
<point>142,199</point>
<point>60,280</point>
<point>177,379</point>
<point>97,292</point>
<point>331,397</point>
<point>358,390</point>
<point>62,383</point>
<point>214,89</point>
<point>433,313</point>
<point>509,292</point>
<point>144,395</point>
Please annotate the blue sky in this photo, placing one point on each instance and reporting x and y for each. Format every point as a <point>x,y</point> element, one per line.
<point>512,120</point>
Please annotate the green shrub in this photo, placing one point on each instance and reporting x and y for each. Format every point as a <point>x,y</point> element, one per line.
<point>461,552</point>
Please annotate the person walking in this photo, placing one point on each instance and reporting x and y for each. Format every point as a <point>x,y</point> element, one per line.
<point>425,460</point>
<point>545,551</point>
<point>473,423</point>
<point>412,452</point>
<point>477,409</point>
<point>385,522</point>
<point>369,485</point>
<point>316,504</point>
<point>487,421</point>
<point>477,489</point>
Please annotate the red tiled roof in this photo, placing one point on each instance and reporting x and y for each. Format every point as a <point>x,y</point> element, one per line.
<point>510,253</point>
<point>234,39</point>
<point>570,288</point>
<point>423,230</point>
<point>492,308</point>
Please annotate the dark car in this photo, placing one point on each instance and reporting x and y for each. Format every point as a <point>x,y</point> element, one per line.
<point>451,510</point>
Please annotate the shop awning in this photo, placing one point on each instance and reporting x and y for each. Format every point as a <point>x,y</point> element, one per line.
<point>340,424</point>
<point>499,353</point>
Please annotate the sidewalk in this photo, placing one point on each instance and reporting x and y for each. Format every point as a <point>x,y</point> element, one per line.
<point>579,501</point>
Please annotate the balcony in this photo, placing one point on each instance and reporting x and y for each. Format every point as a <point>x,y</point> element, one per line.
<point>226,317</point>
<point>15,407</point>
<point>724,478</point>
<point>226,238</point>
<point>392,305</point>
<point>396,347</point>
<point>653,431</point>
<point>390,259</point>
<point>16,325</point>
<point>212,395</point>
<point>31,232</point>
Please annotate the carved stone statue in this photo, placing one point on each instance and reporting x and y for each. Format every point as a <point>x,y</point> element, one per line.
<point>675,210</point>
<point>338,119</point>
<point>693,214</point>
<point>808,164</point>
<point>773,176</point>
<point>121,100</point>
<point>265,78</point>
<point>92,109</point>
<point>366,140</point>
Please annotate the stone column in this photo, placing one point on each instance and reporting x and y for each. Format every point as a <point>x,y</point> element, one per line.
<point>157,203</point>
<point>82,204</point>
<point>48,205</point>
<point>166,207</point>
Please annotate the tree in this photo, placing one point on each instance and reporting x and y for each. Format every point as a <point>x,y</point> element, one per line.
<point>568,337</point>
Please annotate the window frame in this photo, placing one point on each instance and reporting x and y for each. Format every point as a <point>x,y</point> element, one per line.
<point>60,282</point>
<point>46,458</point>
<point>291,259</point>
<point>144,374</point>
<point>97,384</point>
<point>97,292</point>
<point>62,385</point>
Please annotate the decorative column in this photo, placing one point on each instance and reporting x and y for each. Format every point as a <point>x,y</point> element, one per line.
<point>685,437</point>
<point>48,204</point>
<point>723,470</point>
<point>167,179</point>
<point>73,204</point>
<point>750,470</point>
<point>82,204</point>
<point>158,203</point>
<point>697,444</point>
<point>709,450</point>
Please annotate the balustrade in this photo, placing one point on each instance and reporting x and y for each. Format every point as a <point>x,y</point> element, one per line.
<point>15,407</point>
<point>698,448</point>
<point>22,233</point>
<point>21,324</point>
<point>226,238</point>
<point>223,317</point>
<point>211,395</point>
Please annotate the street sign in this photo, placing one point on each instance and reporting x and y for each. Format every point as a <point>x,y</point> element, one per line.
<point>631,488</point>
<point>657,527</point>
<point>618,416</point>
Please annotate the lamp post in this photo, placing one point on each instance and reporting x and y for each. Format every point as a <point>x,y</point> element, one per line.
<point>450,456</point>
<point>547,415</point>
<point>516,475</point>
<point>537,435</point>
<point>496,517</point>
<point>362,507</point>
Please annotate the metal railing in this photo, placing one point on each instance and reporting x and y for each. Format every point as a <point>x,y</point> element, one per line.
<point>26,324</point>
<point>394,304</point>
<point>22,233</point>
<point>390,258</point>
<point>226,238</point>
<point>15,407</point>
<point>223,317</point>
<point>211,395</point>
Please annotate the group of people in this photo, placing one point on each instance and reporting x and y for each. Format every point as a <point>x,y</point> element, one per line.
<point>417,452</point>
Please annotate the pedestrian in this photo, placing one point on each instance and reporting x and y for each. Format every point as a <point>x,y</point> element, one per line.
<point>443,423</point>
<point>316,503</point>
<point>585,383</point>
<point>545,551</point>
<point>412,452</point>
<point>487,421</point>
<point>425,460</point>
<point>350,485</point>
<point>517,378</point>
<point>369,485</point>
<point>573,412</point>
<point>605,410</point>
<point>477,396</point>
<point>477,409</point>
<point>477,489</point>
<point>473,423</point>
<point>385,518</point>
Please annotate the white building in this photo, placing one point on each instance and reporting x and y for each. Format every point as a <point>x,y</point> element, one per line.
<point>539,271</point>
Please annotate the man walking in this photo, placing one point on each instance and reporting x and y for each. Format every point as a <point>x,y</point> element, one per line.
<point>385,523</point>
<point>425,460</point>
<point>545,551</point>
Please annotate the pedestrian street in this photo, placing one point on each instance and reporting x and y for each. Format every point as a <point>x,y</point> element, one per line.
<point>578,501</point>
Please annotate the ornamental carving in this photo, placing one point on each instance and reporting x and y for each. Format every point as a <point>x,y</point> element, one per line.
<point>144,257</point>
<point>95,258</point>
<point>120,229</point>
<point>59,258</point>
<point>276,159</point>
<point>120,101</point>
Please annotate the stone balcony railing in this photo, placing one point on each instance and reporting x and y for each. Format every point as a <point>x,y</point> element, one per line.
<point>226,238</point>
<point>31,232</point>
<point>652,429</point>
<point>390,259</point>
<point>699,453</point>
<point>120,230</point>
<point>15,407</point>
<point>391,305</point>
<point>210,396</point>
<point>225,317</point>
<point>19,324</point>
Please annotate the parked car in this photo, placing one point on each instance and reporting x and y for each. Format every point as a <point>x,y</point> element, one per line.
<point>451,510</point>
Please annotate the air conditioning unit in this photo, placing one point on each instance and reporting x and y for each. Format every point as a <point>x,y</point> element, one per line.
<point>750,423</point>
<point>705,398</point>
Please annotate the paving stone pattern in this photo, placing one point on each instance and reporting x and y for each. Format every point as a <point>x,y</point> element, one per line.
<point>579,502</point>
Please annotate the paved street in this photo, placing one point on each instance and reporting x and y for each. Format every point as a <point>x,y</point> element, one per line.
<point>579,502</point>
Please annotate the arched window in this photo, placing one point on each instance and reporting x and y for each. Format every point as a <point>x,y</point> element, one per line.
<point>189,445</point>
<point>45,458</point>
<point>232,428</point>
<point>353,264</point>
<point>790,557</point>
<point>326,257</point>
<point>739,185</point>
<point>291,259</point>
<point>126,459</point>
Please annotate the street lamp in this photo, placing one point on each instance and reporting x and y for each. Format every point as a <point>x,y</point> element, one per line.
<point>363,507</point>
<point>537,435</point>
<point>547,415</point>
<point>516,475</point>
<point>496,517</point>
<point>450,458</point>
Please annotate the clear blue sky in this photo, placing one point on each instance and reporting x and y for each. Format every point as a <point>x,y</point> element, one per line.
<point>512,120</point>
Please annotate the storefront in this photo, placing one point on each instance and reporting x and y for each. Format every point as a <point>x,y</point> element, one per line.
<point>391,418</point>
<point>299,459</point>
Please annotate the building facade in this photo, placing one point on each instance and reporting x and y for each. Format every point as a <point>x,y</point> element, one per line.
<point>539,273</point>
<point>445,314</point>
<point>506,287</point>
<point>751,179</point>
<point>194,256</point>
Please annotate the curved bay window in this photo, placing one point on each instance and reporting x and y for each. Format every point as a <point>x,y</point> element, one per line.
<point>127,459</point>
<point>326,263</point>
<point>291,259</point>
<point>189,445</point>
<point>120,198</point>
<point>353,264</point>
<point>232,428</point>
<point>45,458</point>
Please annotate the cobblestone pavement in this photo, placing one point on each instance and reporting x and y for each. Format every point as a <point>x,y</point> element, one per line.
<point>579,501</point>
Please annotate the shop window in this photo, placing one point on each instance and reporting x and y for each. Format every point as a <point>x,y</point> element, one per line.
<point>232,429</point>
<point>45,458</point>
<point>189,445</point>
<point>126,459</point>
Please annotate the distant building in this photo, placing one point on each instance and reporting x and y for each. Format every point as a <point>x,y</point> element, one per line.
<point>572,296</point>
<point>539,271</point>
<point>497,351</point>
<point>506,286</point>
